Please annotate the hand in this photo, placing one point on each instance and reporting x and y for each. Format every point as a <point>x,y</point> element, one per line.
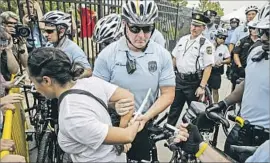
<point>13,158</point>
<point>7,145</point>
<point>10,99</point>
<point>143,119</point>
<point>200,92</point>
<point>123,106</point>
<point>182,134</point>
<point>26,19</point>
<point>127,147</point>
<point>191,146</point>
<point>218,64</point>
<point>241,72</point>
<point>6,107</point>
<point>19,85</point>
<point>217,107</point>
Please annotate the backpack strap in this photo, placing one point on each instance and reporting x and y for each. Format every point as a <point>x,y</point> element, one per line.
<point>81,92</point>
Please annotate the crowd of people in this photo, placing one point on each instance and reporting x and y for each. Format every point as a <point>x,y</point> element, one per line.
<point>132,60</point>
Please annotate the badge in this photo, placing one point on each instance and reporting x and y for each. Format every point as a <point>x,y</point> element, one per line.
<point>209,50</point>
<point>197,17</point>
<point>238,43</point>
<point>152,66</point>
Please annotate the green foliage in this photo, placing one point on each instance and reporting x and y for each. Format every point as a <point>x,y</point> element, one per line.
<point>181,2</point>
<point>206,5</point>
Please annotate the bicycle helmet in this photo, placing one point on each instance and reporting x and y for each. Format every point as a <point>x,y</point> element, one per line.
<point>251,8</point>
<point>264,12</point>
<point>140,12</point>
<point>252,24</point>
<point>264,23</point>
<point>222,32</point>
<point>234,20</point>
<point>58,18</point>
<point>108,28</point>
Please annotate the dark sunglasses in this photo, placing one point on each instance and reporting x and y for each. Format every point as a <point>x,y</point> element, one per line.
<point>49,31</point>
<point>221,37</point>
<point>137,29</point>
<point>251,28</point>
<point>264,31</point>
<point>13,23</point>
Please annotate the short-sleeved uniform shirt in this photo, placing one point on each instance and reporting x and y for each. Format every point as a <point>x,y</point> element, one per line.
<point>242,47</point>
<point>74,52</point>
<point>210,33</point>
<point>228,39</point>
<point>239,33</point>
<point>158,38</point>
<point>261,154</point>
<point>154,69</point>
<point>84,123</point>
<point>187,53</point>
<point>255,102</point>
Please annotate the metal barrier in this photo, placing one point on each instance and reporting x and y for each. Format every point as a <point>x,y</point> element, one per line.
<point>14,129</point>
<point>173,21</point>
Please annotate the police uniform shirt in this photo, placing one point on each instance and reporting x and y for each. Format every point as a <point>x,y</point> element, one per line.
<point>239,33</point>
<point>255,101</point>
<point>221,53</point>
<point>241,48</point>
<point>154,69</point>
<point>210,33</point>
<point>228,39</point>
<point>186,53</point>
<point>158,38</point>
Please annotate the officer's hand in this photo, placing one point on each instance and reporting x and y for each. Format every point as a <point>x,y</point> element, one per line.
<point>11,98</point>
<point>127,147</point>
<point>13,158</point>
<point>217,107</point>
<point>6,107</point>
<point>191,146</point>
<point>123,106</point>
<point>182,135</point>
<point>8,145</point>
<point>241,72</point>
<point>200,92</point>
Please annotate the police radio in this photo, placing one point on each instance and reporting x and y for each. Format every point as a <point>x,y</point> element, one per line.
<point>130,65</point>
<point>202,41</point>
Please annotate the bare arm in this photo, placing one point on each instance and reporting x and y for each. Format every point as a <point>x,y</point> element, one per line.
<point>206,75</point>
<point>86,73</point>
<point>211,155</point>
<point>166,99</point>
<point>39,14</point>
<point>119,94</point>
<point>237,60</point>
<point>231,46</point>
<point>236,95</point>
<point>23,57</point>
<point>226,61</point>
<point>12,64</point>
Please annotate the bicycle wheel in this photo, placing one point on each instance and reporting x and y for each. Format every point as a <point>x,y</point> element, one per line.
<point>47,149</point>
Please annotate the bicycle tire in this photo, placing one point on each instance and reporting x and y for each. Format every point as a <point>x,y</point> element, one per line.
<point>43,149</point>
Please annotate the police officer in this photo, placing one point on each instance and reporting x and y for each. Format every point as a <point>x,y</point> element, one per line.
<point>241,53</point>
<point>158,38</point>
<point>242,31</point>
<point>234,23</point>
<point>222,56</point>
<point>137,63</point>
<point>211,27</point>
<point>193,57</point>
<point>254,94</point>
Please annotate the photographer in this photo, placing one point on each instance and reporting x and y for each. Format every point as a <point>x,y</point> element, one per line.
<point>8,62</point>
<point>32,15</point>
<point>11,24</point>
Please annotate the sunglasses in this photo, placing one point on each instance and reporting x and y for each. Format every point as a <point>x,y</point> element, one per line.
<point>49,31</point>
<point>264,31</point>
<point>137,29</point>
<point>221,37</point>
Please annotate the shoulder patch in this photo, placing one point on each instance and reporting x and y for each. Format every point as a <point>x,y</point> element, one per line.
<point>238,43</point>
<point>209,50</point>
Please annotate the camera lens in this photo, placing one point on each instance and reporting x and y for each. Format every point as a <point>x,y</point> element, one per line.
<point>24,32</point>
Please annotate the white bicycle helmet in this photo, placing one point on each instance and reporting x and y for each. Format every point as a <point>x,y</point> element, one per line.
<point>140,12</point>
<point>252,23</point>
<point>222,32</point>
<point>251,8</point>
<point>108,28</point>
<point>264,23</point>
<point>58,18</point>
<point>264,12</point>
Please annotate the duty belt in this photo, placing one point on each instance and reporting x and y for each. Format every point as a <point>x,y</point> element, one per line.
<point>191,76</point>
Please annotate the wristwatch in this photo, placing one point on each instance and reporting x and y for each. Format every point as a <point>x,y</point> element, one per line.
<point>202,87</point>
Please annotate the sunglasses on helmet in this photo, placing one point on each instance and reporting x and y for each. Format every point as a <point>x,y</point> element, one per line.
<point>221,37</point>
<point>136,29</point>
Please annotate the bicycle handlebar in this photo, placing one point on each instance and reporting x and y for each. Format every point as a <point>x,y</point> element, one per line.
<point>238,120</point>
<point>217,117</point>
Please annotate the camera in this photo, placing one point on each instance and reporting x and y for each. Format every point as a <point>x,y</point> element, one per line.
<point>21,31</point>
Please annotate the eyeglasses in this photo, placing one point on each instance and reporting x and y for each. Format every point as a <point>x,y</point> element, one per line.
<point>13,23</point>
<point>264,31</point>
<point>49,31</point>
<point>252,28</point>
<point>136,29</point>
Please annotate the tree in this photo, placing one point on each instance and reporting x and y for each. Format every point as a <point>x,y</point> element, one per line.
<point>206,5</point>
<point>181,2</point>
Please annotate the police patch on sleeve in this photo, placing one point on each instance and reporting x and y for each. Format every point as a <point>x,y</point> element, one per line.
<point>209,50</point>
<point>238,43</point>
